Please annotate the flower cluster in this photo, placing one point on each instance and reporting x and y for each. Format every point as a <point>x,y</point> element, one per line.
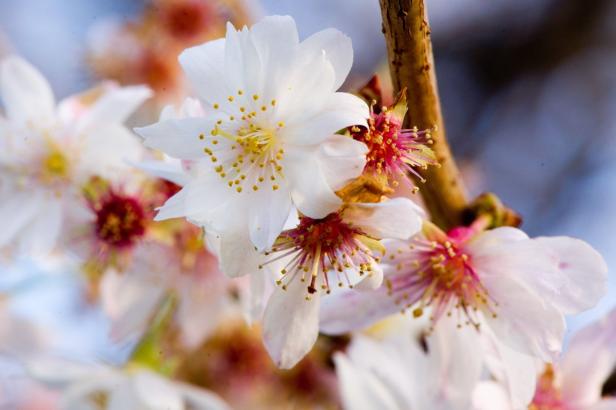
<point>270,196</point>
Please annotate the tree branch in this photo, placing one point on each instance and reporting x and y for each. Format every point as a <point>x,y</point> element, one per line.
<point>411,64</point>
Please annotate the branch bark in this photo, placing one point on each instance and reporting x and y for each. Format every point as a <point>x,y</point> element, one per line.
<point>411,64</point>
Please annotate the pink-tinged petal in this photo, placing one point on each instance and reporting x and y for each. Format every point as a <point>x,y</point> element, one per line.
<point>338,50</point>
<point>516,372</point>
<point>524,320</point>
<point>339,111</point>
<point>489,395</point>
<point>604,404</point>
<point>589,361</point>
<point>179,138</point>
<point>583,270</point>
<point>202,305</point>
<point>397,218</point>
<point>290,324</point>
<point>204,66</point>
<point>26,94</point>
<point>114,107</point>
<point>310,191</point>
<point>360,389</point>
<point>342,159</point>
<point>349,310</point>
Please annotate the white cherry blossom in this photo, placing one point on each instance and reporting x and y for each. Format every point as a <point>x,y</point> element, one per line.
<point>498,281</point>
<point>266,138</point>
<point>95,387</point>
<point>48,152</point>
<point>342,249</point>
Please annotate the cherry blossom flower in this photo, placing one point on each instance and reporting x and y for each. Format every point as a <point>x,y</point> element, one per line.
<point>341,249</point>
<point>498,281</point>
<point>267,139</point>
<point>184,269</point>
<point>573,383</point>
<point>393,151</point>
<point>405,370</point>
<point>94,387</point>
<point>47,153</point>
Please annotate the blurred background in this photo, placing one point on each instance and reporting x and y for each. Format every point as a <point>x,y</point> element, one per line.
<point>528,89</point>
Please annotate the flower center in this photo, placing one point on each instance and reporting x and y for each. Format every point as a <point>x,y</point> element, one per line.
<point>247,153</point>
<point>392,150</point>
<point>319,250</point>
<point>120,220</point>
<point>55,166</point>
<point>547,395</point>
<point>436,272</point>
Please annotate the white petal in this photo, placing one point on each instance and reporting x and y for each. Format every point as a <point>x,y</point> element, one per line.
<point>307,94</point>
<point>489,395</point>
<point>16,210</point>
<point>583,270</point>
<point>338,50</point>
<point>199,399</point>
<point>339,111</point>
<point>78,396</point>
<point>457,366</point>
<point>27,96</point>
<point>276,41</point>
<point>589,361</point>
<point>204,66</point>
<point>371,281</point>
<point>342,159</point>
<point>170,171</point>
<point>269,211</point>
<point>290,324</point>
<point>108,150</point>
<point>41,234</point>
<point>360,389</point>
<point>57,372</point>
<point>178,138</point>
<point>397,218</point>
<point>154,393</point>
<point>237,254</point>
<point>310,191</point>
<point>114,107</point>
<point>348,310</point>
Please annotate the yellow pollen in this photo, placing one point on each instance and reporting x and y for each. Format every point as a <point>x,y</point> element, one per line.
<point>56,165</point>
<point>216,106</point>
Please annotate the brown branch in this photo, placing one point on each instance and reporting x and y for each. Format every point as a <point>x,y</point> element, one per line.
<point>411,65</point>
